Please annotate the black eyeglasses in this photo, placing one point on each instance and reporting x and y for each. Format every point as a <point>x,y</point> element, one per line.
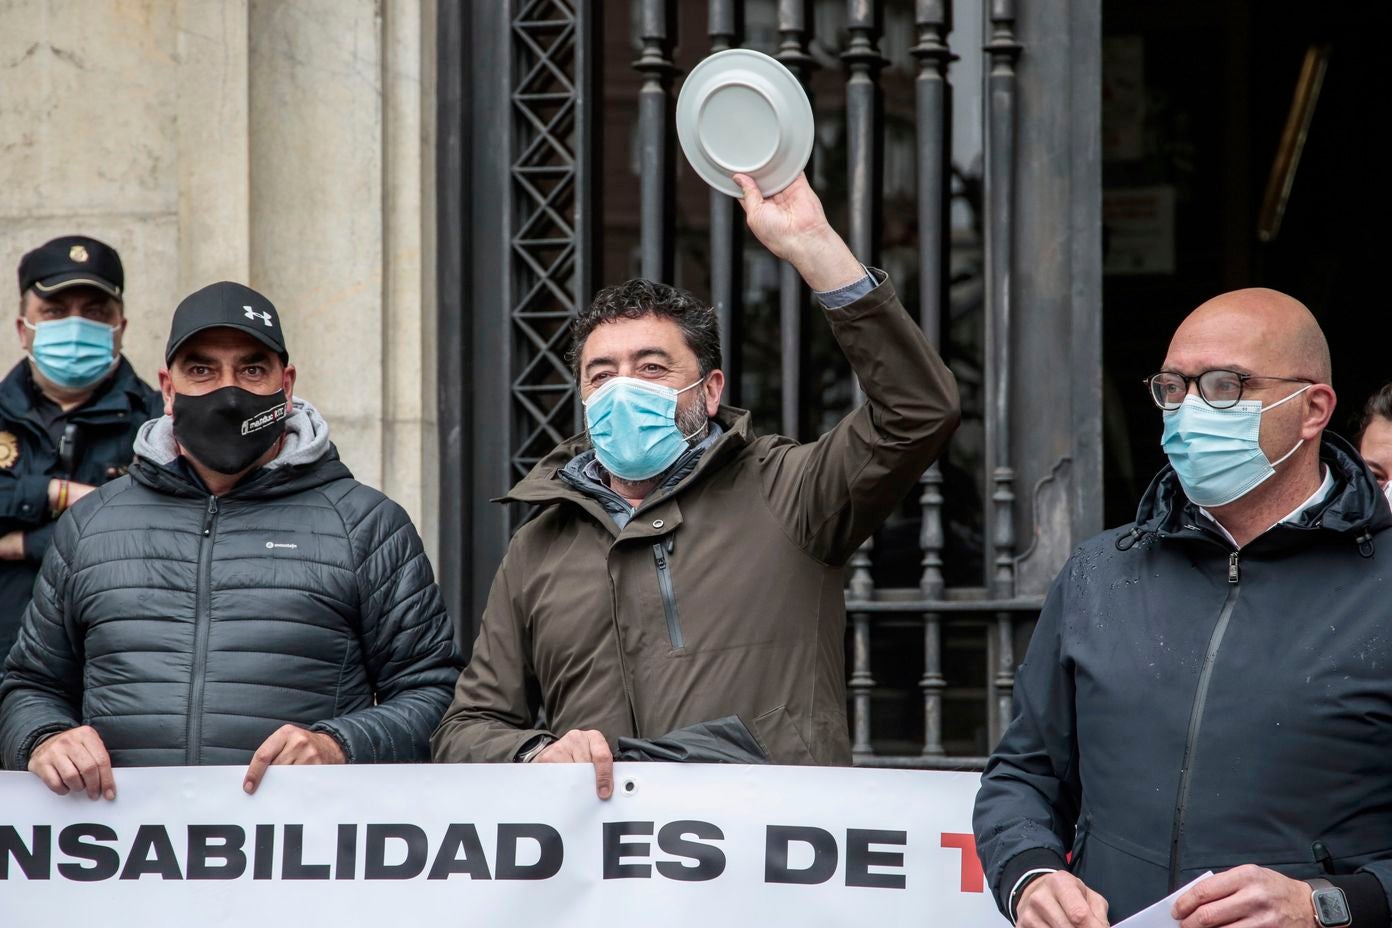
<point>1220,389</point>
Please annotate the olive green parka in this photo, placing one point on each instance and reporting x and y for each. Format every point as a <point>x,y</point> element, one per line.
<point>722,594</point>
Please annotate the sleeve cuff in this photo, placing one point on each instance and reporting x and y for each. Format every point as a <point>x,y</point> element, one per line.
<point>1366,900</point>
<point>334,732</point>
<point>31,499</point>
<point>341,741</point>
<point>845,296</point>
<point>1036,858</point>
<point>34,739</point>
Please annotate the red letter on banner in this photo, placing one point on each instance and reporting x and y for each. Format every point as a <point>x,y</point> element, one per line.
<point>973,880</point>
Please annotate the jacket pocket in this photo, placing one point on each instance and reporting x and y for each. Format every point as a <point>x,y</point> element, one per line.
<point>778,735</point>
<point>1112,866</point>
<point>1156,857</point>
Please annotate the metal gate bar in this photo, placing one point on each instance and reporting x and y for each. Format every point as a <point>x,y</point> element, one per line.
<point>864,140</point>
<point>794,17</point>
<point>726,222</point>
<point>933,20</point>
<point>1003,51</point>
<point>655,136</point>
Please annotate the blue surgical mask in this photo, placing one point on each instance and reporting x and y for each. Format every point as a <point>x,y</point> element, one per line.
<point>633,425</point>
<point>1216,452</point>
<point>73,353</point>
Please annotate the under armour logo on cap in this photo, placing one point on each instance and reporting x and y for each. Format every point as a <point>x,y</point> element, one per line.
<point>227,305</point>
<point>264,317</point>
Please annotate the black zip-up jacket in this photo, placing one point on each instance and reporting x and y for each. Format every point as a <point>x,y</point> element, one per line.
<point>103,431</point>
<point>1185,707</point>
<point>187,628</point>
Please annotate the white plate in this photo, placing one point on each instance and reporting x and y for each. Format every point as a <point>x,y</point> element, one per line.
<point>740,111</point>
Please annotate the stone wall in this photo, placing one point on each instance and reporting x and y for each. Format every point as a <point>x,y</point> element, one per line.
<point>288,144</point>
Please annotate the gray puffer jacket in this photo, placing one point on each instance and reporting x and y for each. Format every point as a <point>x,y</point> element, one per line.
<point>186,628</point>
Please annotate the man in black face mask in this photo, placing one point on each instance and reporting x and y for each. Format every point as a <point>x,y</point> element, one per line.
<point>238,598</point>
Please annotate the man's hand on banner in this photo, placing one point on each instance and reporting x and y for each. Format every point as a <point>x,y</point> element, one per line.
<point>1060,900</point>
<point>74,760</point>
<point>290,744</point>
<point>584,747</point>
<point>793,226</point>
<point>1248,894</point>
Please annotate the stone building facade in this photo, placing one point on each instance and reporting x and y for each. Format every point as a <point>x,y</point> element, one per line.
<point>289,146</point>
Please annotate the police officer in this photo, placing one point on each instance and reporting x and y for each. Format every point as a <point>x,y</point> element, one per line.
<point>69,411</point>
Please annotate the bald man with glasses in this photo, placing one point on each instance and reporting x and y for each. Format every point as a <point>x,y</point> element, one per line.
<point>1210,687</point>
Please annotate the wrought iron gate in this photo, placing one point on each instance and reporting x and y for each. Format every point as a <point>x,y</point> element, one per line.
<point>521,92</point>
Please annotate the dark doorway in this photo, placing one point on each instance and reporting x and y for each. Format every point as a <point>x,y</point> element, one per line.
<point>1197,94</point>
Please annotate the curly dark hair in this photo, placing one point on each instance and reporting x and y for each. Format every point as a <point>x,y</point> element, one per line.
<point>634,299</point>
<point>1379,406</point>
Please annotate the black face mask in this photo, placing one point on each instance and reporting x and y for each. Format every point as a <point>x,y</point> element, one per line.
<point>228,429</point>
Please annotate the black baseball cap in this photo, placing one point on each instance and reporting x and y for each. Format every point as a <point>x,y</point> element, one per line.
<point>231,306</point>
<point>72,261</point>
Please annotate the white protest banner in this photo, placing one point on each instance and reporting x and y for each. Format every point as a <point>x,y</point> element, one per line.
<point>426,845</point>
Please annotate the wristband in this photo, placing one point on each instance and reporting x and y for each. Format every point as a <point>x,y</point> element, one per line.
<point>62,503</point>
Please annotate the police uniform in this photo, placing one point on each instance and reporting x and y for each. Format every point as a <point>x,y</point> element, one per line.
<point>91,443</point>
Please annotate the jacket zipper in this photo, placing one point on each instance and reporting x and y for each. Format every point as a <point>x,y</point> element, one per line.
<point>1215,641</point>
<point>202,619</point>
<point>669,598</point>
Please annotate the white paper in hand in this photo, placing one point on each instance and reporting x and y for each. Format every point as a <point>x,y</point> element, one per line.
<point>1158,915</point>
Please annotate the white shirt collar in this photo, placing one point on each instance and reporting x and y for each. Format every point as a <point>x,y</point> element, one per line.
<point>1315,499</point>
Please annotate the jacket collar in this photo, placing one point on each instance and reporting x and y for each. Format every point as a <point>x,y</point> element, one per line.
<point>546,485</point>
<point>1355,507</point>
<point>116,397</point>
<point>584,473</point>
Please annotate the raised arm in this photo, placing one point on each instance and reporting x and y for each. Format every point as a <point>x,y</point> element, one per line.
<point>833,492</point>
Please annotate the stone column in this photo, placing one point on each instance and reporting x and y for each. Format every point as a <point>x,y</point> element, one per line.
<point>212,143</point>
<point>410,465</point>
<point>315,88</point>
<point>88,117</point>
<point>288,144</point>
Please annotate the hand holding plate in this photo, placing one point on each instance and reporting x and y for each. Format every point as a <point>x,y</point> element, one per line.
<point>793,226</point>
